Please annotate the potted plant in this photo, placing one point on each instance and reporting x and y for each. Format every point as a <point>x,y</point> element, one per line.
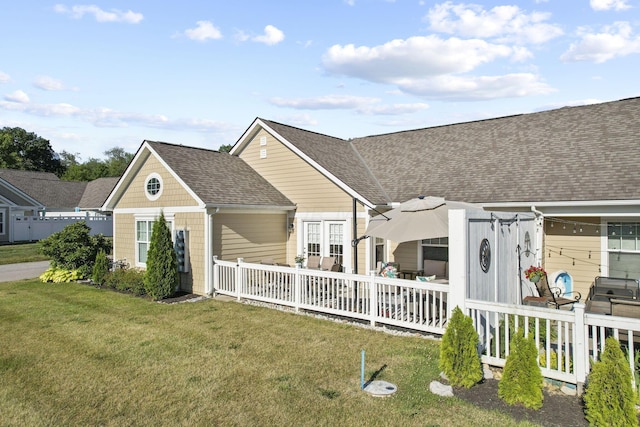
<point>534,274</point>
<point>299,260</point>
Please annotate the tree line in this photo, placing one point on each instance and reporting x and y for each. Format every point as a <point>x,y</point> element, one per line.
<point>24,150</point>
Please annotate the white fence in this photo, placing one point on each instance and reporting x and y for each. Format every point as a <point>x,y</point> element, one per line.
<point>33,228</point>
<point>402,303</point>
<point>568,340</point>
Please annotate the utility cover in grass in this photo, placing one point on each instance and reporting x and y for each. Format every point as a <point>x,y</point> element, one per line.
<point>380,388</point>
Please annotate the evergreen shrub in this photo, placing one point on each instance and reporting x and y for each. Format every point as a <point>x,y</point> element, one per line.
<point>100,268</point>
<point>459,358</point>
<point>522,381</point>
<point>161,278</point>
<point>609,397</point>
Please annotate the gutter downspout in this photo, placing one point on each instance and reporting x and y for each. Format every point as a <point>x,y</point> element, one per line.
<point>355,235</point>
<point>208,255</point>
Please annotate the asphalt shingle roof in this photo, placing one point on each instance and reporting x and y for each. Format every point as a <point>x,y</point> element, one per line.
<point>97,192</point>
<point>54,193</point>
<point>219,178</point>
<point>569,154</point>
<point>581,153</point>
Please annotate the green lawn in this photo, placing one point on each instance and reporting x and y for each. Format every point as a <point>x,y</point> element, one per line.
<point>75,355</point>
<point>23,252</point>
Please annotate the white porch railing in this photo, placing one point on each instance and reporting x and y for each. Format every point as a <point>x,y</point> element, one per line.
<point>568,340</point>
<point>404,303</point>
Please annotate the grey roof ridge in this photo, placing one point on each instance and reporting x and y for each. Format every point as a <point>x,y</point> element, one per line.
<point>370,172</point>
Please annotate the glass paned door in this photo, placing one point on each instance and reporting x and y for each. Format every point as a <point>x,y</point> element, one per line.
<point>313,238</point>
<point>336,241</point>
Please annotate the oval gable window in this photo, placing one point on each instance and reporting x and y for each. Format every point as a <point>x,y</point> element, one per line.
<point>153,186</point>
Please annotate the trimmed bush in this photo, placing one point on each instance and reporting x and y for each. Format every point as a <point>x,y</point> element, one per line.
<point>126,280</point>
<point>100,268</point>
<point>609,398</point>
<point>459,358</point>
<point>522,381</point>
<point>161,278</point>
<point>73,248</point>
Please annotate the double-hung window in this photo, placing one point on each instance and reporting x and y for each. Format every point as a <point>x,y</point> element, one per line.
<point>144,228</point>
<point>623,246</point>
<point>2,219</point>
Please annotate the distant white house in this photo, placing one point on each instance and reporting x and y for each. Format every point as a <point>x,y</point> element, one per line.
<point>36,204</point>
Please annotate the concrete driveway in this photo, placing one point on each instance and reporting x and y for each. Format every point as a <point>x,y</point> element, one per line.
<point>24,270</point>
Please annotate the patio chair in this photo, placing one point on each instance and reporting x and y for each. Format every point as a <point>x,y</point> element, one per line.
<point>313,261</point>
<point>327,263</point>
<point>554,296</point>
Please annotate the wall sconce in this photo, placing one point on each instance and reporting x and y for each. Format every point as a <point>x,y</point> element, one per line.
<point>290,227</point>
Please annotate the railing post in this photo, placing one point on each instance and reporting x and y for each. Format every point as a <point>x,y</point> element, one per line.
<point>373,298</point>
<point>239,278</point>
<point>581,348</point>
<point>216,276</point>
<point>297,289</point>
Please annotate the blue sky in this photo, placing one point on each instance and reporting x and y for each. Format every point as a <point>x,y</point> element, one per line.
<point>92,76</point>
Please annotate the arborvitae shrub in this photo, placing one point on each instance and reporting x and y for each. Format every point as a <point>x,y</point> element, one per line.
<point>161,278</point>
<point>459,358</point>
<point>609,399</point>
<point>100,268</point>
<point>522,381</point>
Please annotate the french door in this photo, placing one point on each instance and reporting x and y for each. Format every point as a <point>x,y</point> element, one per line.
<point>325,238</point>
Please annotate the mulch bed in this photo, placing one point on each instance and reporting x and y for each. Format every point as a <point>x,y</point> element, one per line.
<point>180,297</point>
<point>558,409</point>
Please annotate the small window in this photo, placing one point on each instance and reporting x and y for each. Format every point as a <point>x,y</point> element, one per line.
<point>153,186</point>
<point>1,221</point>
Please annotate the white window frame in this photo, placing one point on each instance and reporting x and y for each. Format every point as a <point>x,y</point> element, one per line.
<point>325,238</point>
<point>151,176</point>
<point>605,263</point>
<point>3,222</point>
<point>149,219</point>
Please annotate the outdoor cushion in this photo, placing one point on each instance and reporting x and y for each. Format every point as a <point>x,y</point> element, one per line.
<point>436,268</point>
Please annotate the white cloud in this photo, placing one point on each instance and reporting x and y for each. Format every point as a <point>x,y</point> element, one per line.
<point>114,15</point>
<point>412,58</point>
<point>361,104</point>
<point>271,36</point>
<point>613,41</point>
<point>501,22</point>
<point>48,83</point>
<point>329,102</point>
<point>203,31</point>
<point>433,67</point>
<point>609,4</point>
<point>17,96</point>
<point>106,117</point>
<point>451,87</point>
<point>4,77</point>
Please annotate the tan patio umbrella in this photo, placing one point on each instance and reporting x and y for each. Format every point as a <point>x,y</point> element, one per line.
<point>416,219</point>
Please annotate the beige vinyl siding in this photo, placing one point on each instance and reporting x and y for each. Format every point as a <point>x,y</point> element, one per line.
<point>124,242</point>
<point>194,222</point>
<point>304,185</point>
<point>253,237</point>
<point>406,254</point>
<point>295,178</point>
<point>575,248</point>
<point>173,193</point>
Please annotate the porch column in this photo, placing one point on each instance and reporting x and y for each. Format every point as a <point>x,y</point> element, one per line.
<point>457,260</point>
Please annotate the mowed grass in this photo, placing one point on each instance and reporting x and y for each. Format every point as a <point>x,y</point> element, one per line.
<point>21,252</point>
<point>75,355</point>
